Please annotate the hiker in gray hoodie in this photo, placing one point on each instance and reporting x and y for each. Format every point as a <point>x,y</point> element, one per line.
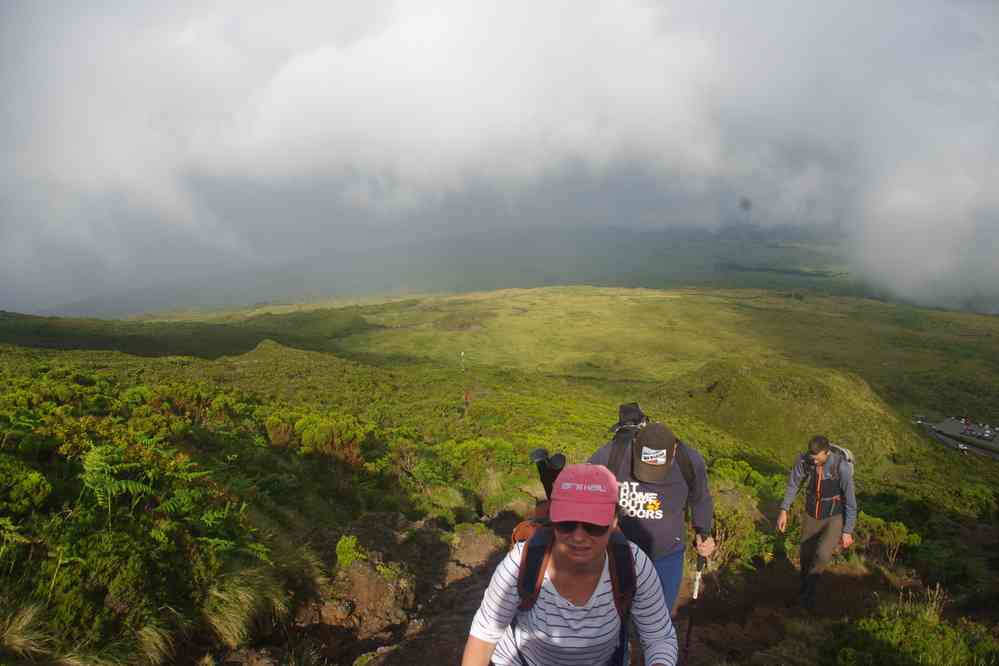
<point>830,509</point>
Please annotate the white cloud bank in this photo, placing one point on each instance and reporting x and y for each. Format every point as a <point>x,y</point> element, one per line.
<point>144,144</point>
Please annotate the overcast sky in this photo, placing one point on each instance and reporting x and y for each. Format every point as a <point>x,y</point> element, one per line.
<point>144,142</point>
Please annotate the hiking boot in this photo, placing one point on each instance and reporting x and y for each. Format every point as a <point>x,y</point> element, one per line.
<point>799,597</point>
<point>807,595</point>
<point>805,598</point>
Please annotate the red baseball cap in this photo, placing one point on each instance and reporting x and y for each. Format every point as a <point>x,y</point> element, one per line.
<point>586,493</point>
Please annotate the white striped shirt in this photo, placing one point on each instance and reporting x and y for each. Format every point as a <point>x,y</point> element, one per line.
<point>554,632</point>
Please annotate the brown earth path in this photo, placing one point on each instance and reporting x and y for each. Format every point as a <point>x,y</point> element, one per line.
<point>733,624</point>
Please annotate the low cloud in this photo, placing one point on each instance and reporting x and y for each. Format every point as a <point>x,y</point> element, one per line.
<point>148,144</point>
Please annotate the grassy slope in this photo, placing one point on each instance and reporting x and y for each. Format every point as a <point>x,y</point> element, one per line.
<point>782,368</point>
<point>740,373</point>
<point>551,364</point>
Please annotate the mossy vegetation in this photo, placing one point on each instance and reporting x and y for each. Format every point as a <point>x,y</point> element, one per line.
<point>188,465</point>
<point>912,630</point>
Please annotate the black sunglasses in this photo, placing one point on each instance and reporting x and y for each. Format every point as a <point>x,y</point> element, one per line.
<point>569,526</point>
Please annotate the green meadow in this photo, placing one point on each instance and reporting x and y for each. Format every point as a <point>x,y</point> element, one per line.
<point>213,439</point>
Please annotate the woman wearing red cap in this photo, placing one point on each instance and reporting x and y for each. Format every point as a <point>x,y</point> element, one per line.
<point>574,620</point>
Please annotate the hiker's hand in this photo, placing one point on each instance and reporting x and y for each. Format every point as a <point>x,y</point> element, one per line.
<point>704,546</point>
<point>782,520</point>
<point>846,540</point>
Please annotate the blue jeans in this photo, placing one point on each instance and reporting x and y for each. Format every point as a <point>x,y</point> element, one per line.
<point>670,570</point>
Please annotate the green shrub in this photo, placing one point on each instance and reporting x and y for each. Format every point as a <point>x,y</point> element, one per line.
<point>390,571</point>
<point>335,435</point>
<point>450,503</point>
<point>912,631</point>
<point>790,541</point>
<point>948,561</point>
<point>279,432</point>
<point>767,488</point>
<point>474,459</point>
<point>884,538</point>
<point>22,488</point>
<point>152,514</point>
<point>348,551</point>
<point>417,468</point>
<point>134,396</point>
<point>980,499</point>
<point>739,540</point>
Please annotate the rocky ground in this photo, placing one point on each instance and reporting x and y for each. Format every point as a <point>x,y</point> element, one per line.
<point>412,601</point>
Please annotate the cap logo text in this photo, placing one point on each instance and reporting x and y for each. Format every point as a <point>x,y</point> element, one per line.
<point>588,487</point>
<point>653,456</point>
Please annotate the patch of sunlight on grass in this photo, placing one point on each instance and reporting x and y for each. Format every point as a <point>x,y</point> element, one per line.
<point>600,333</point>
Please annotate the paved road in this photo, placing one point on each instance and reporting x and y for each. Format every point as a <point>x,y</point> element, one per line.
<point>953,443</point>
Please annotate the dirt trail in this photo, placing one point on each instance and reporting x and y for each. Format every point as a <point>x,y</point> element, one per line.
<point>731,624</point>
<point>734,624</point>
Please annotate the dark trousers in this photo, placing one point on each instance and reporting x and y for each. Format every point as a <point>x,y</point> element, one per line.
<point>818,539</point>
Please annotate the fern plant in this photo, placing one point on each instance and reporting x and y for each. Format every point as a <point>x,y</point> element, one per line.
<point>9,535</point>
<point>102,470</point>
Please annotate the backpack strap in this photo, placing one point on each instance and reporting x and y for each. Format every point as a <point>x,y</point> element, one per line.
<point>622,571</point>
<point>687,469</point>
<point>624,582</point>
<point>620,445</point>
<point>845,458</point>
<point>533,564</point>
<point>525,529</point>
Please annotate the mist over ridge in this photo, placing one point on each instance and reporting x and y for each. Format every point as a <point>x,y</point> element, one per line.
<point>489,259</point>
<point>172,153</point>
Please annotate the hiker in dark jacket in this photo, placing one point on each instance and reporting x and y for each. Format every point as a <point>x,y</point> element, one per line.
<point>830,509</point>
<point>653,468</point>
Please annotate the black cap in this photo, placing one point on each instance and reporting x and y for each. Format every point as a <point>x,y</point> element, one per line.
<point>652,453</point>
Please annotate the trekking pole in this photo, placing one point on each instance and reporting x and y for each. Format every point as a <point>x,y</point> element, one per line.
<point>555,465</point>
<point>701,561</point>
<point>548,468</point>
<point>540,459</point>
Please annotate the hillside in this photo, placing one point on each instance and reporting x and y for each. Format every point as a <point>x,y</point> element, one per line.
<point>217,442</point>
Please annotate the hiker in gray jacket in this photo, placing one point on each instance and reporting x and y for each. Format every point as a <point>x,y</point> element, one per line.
<point>830,509</point>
